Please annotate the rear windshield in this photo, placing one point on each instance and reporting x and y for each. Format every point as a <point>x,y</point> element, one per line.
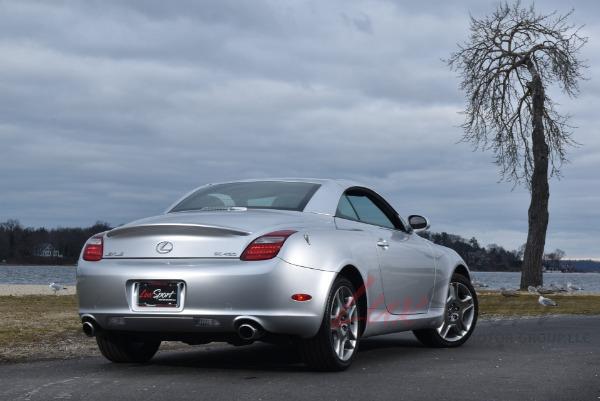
<point>252,195</point>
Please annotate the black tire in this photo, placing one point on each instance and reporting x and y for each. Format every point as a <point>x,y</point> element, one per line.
<point>432,338</point>
<point>123,348</point>
<point>318,352</point>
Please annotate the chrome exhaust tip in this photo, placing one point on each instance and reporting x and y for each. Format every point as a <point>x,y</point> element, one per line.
<point>249,331</point>
<point>89,329</point>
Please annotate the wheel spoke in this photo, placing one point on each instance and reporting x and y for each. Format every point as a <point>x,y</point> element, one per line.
<point>351,335</point>
<point>454,291</point>
<point>445,329</point>
<point>451,293</point>
<point>335,338</point>
<point>351,311</point>
<point>460,325</point>
<point>340,300</point>
<point>468,300</point>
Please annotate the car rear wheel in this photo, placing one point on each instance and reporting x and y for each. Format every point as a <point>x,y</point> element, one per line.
<point>460,316</point>
<point>336,343</point>
<point>123,348</point>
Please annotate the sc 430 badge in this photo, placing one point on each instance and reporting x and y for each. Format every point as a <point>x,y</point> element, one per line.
<point>226,254</point>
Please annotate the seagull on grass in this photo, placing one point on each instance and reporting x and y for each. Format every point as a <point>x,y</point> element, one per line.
<point>544,291</point>
<point>546,301</point>
<point>508,293</point>
<point>478,284</point>
<point>56,287</point>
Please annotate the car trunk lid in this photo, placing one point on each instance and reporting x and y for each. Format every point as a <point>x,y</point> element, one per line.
<point>206,234</point>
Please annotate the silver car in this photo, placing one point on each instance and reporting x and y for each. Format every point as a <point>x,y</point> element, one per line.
<point>320,263</point>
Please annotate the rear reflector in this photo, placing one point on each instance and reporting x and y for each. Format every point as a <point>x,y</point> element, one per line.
<point>301,297</point>
<point>94,248</point>
<point>266,246</point>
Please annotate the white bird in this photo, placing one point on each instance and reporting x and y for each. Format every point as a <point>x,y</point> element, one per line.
<point>556,288</point>
<point>572,287</point>
<point>508,293</point>
<point>479,284</point>
<point>543,290</point>
<point>532,290</point>
<point>56,287</point>
<point>546,301</point>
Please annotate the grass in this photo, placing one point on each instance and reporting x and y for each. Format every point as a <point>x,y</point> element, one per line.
<point>493,304</point>
<point>48,326</point>
<point>41,326</point>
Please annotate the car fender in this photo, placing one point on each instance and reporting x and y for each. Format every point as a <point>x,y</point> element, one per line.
<point>447,261</point>
<point>334,250</point>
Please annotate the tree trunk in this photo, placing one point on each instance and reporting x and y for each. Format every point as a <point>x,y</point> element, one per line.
<point>540,192</point>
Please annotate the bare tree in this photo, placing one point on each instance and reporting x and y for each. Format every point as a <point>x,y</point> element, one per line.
<point>559,254</point>
<point>510,59</point>
<point>548,260</point>
<point>520,252</point>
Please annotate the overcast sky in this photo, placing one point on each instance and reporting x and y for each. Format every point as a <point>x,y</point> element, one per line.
<point>111,110</point>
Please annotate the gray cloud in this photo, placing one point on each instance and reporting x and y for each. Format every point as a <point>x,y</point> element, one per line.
<point>110,110</point>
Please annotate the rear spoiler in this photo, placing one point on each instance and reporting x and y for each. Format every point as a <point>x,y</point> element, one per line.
<point>175,229</point>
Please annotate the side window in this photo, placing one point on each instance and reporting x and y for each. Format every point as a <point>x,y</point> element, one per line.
<point>368,212</point>
<point>345,209</point>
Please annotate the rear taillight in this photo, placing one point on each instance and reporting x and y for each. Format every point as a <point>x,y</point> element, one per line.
<point>94,248</point>
<point>266,246</point>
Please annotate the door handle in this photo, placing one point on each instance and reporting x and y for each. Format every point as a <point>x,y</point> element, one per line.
<point>383,244</point>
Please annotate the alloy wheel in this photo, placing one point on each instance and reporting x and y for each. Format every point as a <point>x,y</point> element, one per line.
<point>344,323</point>
<point>459,314</point>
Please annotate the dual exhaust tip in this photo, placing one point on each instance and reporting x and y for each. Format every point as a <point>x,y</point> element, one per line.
<point>246,331</point>
<point>250,331</point>
<point>89,329</point>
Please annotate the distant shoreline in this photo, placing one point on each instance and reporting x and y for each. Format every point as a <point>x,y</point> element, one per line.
<point>472,270</point>
<point>36,265</point>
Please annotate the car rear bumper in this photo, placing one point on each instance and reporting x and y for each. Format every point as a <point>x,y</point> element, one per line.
<point>218,295</point>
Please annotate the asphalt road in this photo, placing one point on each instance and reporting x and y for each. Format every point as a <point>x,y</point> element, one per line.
<point>527,359</point>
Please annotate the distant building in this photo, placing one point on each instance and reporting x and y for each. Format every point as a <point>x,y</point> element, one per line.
<point>47,251</point>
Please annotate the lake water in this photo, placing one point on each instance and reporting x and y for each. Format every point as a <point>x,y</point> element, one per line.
<point>66,275</point>
<point>37,274</point>
<point>590,282</point>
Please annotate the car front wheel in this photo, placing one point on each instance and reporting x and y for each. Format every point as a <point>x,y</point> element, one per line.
<point>460,316</point>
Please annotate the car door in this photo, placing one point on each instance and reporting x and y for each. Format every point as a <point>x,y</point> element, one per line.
<point>405,260</point>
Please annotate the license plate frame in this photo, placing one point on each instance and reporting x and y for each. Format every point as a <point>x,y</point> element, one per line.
<point>158,295</point>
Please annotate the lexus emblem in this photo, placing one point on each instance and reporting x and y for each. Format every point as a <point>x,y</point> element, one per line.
<point>164,247</point>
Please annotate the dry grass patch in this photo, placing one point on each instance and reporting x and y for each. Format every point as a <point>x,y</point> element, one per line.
<point>495,304</point>
<point>41,326</point>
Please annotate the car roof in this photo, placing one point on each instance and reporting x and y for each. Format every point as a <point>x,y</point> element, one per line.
<point>324,201</point>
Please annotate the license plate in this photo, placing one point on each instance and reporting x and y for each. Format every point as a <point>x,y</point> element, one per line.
<point>162,294</point>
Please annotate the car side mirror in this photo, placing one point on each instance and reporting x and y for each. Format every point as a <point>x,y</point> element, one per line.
<point>418,223</point>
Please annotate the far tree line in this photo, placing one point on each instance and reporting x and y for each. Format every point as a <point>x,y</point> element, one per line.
<point>27,245</point>
<point>493,257</point>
